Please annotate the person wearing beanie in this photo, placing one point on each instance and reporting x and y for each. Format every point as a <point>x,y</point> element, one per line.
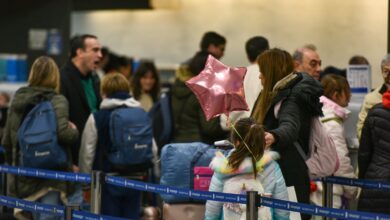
<point>374,157</point>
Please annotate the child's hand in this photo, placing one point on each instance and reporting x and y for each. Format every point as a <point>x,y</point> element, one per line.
<point>269,139</point>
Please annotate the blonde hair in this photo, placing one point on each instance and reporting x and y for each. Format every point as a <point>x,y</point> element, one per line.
<point>44,73</point>
<point>113,83</point>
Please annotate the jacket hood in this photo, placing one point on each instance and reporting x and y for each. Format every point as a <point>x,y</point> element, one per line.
<point>220,163</point>
<point>331,109</point>
<point>29,95</point>
<point>108,103</point>
<point>183,74</point>
<point>306,90</point>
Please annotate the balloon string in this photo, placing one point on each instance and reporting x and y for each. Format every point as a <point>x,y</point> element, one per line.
<point>247,147</point>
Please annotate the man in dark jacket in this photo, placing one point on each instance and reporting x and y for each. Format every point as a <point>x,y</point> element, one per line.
<point>80,84</point>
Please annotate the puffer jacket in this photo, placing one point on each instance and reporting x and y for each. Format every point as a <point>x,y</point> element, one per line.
<point>374,157</point>
<point>190,123</point>
<point>269,176</point>
<point>21,186</point>
<point>334,116</point>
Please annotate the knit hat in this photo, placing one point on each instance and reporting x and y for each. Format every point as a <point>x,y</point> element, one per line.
<point>386,99</point>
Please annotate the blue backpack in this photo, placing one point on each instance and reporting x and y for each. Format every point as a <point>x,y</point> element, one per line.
<point>131,137</point>
<point>37,138</point>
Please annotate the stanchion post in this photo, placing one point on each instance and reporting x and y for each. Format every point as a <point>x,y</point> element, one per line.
<point>3,190</point>
<point>252,202</point>
<point>327,196</point>
<point>69,210</point>
<point>97,182</point>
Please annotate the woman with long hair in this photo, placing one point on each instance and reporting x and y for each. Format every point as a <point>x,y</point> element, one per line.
<point>145,84</point>
<point>299,95</point>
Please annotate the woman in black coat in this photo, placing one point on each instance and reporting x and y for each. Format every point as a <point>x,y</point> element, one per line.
<point>374,157</point>
<point>299,94</point>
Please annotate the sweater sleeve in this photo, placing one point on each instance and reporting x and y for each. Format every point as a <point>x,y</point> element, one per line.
<point>66,135</point>
<point>88,146</point>
<point>214,208</point>
<point>362,117</point>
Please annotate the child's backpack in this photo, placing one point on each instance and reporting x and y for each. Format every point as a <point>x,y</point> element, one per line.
<point>322,159</point>
<point>162,120</point>
<point>37,138</point>
<point>240,184</point>
<point>131,137</point>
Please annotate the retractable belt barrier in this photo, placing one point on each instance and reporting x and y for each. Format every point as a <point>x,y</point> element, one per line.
<point>369,184</point>
<point>195,194</point>
<point>235,198</point>
<point>47,174</point>
<point>51,209</point>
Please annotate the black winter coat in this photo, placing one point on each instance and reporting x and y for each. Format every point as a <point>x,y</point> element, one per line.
<point>374,159</point>
<point>300,103</point>
<point>79,111</point>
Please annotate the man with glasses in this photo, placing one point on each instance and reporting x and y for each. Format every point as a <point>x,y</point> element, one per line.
<point>375,96</point>
<point>307,60</point>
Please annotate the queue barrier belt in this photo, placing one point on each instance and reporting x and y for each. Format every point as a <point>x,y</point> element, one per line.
<point>196,194</point>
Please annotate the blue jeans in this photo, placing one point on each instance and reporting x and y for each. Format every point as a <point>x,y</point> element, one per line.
<point>121,202</point>
<point>51,198</point>
<point>76,198</point>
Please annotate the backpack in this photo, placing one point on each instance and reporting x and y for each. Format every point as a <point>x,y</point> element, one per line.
<point>322,159</point>
<point>240,184</point>
<point>131,138</point>
<point>162,120</point>
<point>37,139</point>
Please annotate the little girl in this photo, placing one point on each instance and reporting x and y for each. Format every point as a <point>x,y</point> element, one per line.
<point>337,94</point>
<point>246,168</point>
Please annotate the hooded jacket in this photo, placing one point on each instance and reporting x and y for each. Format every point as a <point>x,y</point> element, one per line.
<point>25,97</point>
<point>269,178</point>
<point>334,116</point>
<point>374,157</point>
<point>89,140</point>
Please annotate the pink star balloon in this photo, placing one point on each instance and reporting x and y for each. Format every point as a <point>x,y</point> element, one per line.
<point>219,88</point>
